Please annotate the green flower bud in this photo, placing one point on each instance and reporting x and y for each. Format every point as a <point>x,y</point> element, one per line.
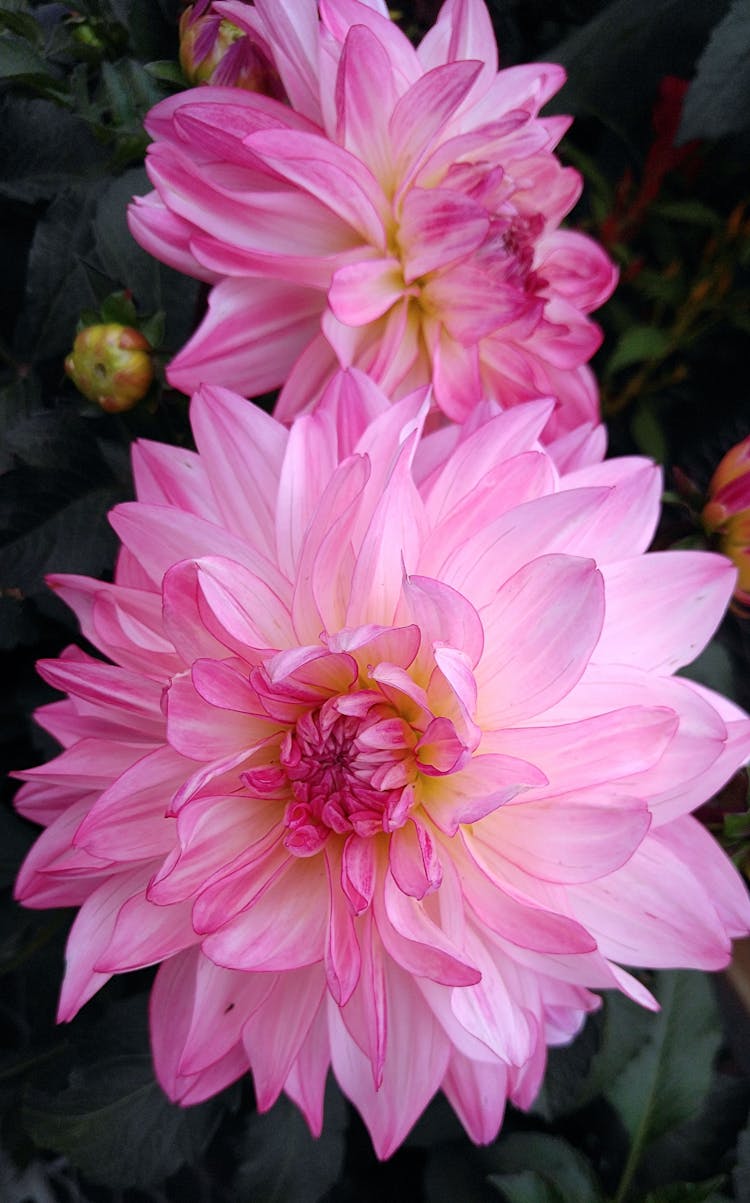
<point>111,364</point>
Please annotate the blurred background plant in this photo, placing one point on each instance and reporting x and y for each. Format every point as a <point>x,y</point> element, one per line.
<point>639,1108</point>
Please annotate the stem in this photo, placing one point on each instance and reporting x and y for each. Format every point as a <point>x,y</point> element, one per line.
<point>634,1156</point>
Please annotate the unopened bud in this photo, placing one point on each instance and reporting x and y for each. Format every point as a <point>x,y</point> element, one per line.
<point>727,513</point>
<point>214,50</point>
<point>111,364</point>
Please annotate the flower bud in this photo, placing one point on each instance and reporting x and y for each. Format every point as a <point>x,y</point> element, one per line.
<point>727,513</point>
<point>111,364</point>
<point>216,51</point>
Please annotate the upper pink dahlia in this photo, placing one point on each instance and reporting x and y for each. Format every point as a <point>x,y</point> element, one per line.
<point>401,214</point>
<point>389,767</point>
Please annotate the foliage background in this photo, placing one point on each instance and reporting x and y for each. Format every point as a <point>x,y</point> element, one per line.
<point>640,1108</point>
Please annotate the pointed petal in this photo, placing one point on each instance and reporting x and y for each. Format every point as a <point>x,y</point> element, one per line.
<point>540,632</point>
<point>253,332</point>
<point>276,1032</point>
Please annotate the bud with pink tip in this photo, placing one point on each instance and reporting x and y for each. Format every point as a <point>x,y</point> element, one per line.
<point>216,51</point>
<point>727,513</point>
<point>111,364</point>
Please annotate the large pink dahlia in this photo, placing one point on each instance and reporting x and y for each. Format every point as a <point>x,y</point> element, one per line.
<point>387,766</point>
<point>400,214</point>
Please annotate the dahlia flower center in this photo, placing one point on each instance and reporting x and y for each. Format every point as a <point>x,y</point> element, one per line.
<point>497,252</point>
<point>347,771</point>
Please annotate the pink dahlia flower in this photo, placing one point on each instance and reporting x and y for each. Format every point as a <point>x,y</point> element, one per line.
<point>387,767</point>
<point>401,214</point>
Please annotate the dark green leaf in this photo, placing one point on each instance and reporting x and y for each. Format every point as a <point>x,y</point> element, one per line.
<point>528,1187</point>
<point>635,345</point>
<point>152,328</point>
<point>694,1151</point>
<point>168,71</point>
<point>19,61</point>
<point>21,23</point>
<point>712,668</point>
<point>631,40</point>
<point>43,149</point>
<point>648,434</point>
<point>280,1161</point>
<point>692,212</point>
<point>118,307</point>
<point>458,1171</point>
<point>687,1192</point>
<point>115,1123</point>
<point>718,100</point>
<point>665,1082</point>
<point>58,283</point>
<point>552,1160</point>
<point>567,1071</point>
<point>76,538</point>
<point>741,1174</point>
<point>119,254</point>
<point>736,826</point>
<point>625,1031</point>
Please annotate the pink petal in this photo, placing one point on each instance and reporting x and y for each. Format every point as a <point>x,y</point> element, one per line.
<point>422,113</point>
<point>330,174</point>
<point>306,1081</point>
<point>499,906</point>
<point>214,832</point>
<point>173,476</point>
<point>390,544</point>
<point>577,268</point>
<point>240,609</point>
<point>362,108</point>
<point>293,33</point>
<point>308,465</point>
<point>145,934</point>
<point>166,236</point>
<point>438,227</point>
<point>477,1091</point>
<point>655,909</point>
<point>276,1032</point>
<point>89,938</point>
<point>415,942</point>
<point>463,30</point>
<point>584,838</point>
<point>326,546</point>
<point>162,537</point>
<point>362,292</point>
<point>223,352</point>
<point>539,634</point>
<point>486,783</point>
<point>338,17</point>
<point>413,1038</point>
<point>343,959</point>
<point>663,608</point>
<point>242,449</point>
<point>495,442</point>
<point>204,732</point>
<point>444,616</point>
<point>358,872</point>
<point>414,861</point>
<point>128,821</point>
<point>596,750</point>
<point>276,933</point>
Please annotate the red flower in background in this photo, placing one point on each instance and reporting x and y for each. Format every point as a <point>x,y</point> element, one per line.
<point>663,157</point>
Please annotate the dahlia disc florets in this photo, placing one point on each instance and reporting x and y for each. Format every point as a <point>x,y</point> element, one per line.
<point>400,214</point>
<point>387,765</point>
